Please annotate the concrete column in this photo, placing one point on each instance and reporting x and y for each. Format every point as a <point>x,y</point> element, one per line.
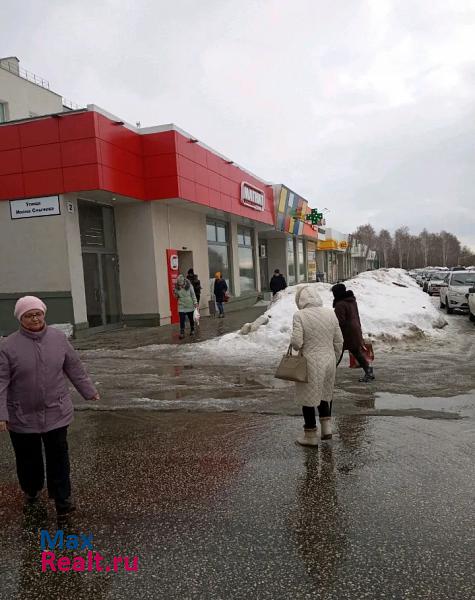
<point>69,208</point>
<point>257,262</point>
<point>234,258</point>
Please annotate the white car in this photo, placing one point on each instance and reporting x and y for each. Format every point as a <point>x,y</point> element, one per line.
<point>435,282</point>
<point>454,290</point>
<point>471,304</point>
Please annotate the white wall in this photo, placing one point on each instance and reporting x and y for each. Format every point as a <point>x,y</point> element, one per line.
<point>25,99</point>
<point>137,261</point>
<point>34,253</point>
<point>178,228</point>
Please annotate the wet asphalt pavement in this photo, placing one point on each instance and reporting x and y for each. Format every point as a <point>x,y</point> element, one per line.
<point>208,489</point>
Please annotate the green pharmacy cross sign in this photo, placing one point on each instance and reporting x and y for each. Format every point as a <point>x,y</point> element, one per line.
<point>314,216</point>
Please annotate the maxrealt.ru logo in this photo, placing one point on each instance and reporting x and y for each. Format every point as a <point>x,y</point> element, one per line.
<point>92,561</point>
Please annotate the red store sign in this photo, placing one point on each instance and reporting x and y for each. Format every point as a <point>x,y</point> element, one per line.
<point>252,197</point>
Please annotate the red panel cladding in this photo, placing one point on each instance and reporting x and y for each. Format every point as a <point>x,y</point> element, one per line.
<point>120,136</point>
<point>161,187</point>
<point>162,165</point>
<point>213,179</point>
<point>77,126</point>
<point>36,133</point>
<point>185,147</point>
<point>227,203</point>
<point>187,189</point>
<point>11,186</point>
<point>215,163</point>
<point>201,194</point>
<point>186,167</point>
<point>122,183</point>
<point>79,152</point>
<point>225,185</point>
<point>200,155</point>
<point>159,143</point>
<point>215,199</point>
<point>119,159</point>
<point>39,158</point>
<point>43,183</point>
<point>10,162</point>
<point>201,175</point>
<point>82,177</point>
<point>9,137</point>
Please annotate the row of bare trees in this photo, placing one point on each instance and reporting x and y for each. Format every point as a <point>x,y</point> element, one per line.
<point>408,251</point>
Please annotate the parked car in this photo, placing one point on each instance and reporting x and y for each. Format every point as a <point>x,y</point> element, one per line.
<point>454,290</point>
<point>434,283</point>
<point>471,304</point>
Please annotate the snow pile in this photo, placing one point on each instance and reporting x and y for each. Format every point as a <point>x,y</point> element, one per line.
<point>66,328</point>
<point>391,304</point>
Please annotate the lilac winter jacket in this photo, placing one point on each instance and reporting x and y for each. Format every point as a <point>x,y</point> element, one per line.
<point>34,393</point>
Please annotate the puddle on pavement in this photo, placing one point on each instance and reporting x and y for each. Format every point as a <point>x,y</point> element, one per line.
<point>429,407</point>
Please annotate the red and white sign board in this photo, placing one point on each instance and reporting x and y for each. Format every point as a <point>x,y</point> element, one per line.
<point>173,272</point>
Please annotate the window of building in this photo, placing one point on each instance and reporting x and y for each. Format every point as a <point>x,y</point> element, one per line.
<point>218,250</point>
<point>301,260</point>
<point>3,112</point>
<point>291,260</point>
<point>247,272</point>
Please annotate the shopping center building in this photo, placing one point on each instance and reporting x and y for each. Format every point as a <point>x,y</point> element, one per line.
<point>98,217</point>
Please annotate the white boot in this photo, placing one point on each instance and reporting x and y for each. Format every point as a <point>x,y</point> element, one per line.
<point>309,438</point>
<point>326,425</point>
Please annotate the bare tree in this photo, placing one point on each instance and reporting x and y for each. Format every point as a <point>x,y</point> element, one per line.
<point>401,244</point>
<point>384,245</point>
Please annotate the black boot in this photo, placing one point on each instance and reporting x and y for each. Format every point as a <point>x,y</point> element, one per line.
<point>368,376</point>
<point>64,507</point>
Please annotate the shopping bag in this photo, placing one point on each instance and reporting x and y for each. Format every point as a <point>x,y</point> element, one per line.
<point>226,297</point>
<point>196,316</point>
<point>212,308</point>
<point>292,367</point>
<point>368,353</point>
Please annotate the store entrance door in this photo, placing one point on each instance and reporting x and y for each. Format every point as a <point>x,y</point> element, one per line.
<point>264,265</point>
<point>100,264</point>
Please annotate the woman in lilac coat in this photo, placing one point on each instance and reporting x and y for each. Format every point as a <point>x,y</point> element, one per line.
<point>35,402</point>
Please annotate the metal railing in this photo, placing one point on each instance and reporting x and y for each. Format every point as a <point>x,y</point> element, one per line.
<point>33,78</point>
<point>24,74</point>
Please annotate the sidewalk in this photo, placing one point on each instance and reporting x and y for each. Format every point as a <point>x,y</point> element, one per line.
<point>135,337</point>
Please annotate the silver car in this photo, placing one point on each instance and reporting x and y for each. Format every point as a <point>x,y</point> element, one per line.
<point>455,289</point>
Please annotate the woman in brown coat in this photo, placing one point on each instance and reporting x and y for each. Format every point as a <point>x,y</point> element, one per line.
<point>346,310</point>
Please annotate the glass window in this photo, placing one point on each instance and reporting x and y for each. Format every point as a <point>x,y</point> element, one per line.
<point>291,260</point>
<point>218,257</point>
<point>3,112</point>
<point>221,232</point>
<point>218,251</point>
<point>301,260</point>
<point>211,232</point>
<point>247,274</point>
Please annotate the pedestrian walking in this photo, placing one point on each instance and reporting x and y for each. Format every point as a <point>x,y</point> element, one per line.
<point>220,291</point>
<point>346,310</point>
<point>195,282</point>
<point>35,402</point>
<point>317,335</point>
<point>277,282</point>
<point>187,303</point>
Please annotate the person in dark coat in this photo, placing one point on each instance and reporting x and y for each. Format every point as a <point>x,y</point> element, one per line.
<point>277,283</point>
<point>195,282</point>
<point>220,292</point>
<point>346,310</point>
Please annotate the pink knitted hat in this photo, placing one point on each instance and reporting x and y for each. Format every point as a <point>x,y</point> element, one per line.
<point>27,303</point>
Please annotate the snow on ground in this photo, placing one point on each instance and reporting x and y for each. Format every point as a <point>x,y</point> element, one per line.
<point>392,307</point>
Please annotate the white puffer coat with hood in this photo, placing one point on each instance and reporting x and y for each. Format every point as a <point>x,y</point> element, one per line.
<point>317,333</point>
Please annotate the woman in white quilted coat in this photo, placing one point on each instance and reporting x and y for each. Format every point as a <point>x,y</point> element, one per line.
<point>317,333</point>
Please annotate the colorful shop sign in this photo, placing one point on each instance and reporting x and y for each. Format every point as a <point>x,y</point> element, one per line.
<point>291,211</point>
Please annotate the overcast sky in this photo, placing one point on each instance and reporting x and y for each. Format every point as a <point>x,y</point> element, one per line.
<point>364,107</point>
